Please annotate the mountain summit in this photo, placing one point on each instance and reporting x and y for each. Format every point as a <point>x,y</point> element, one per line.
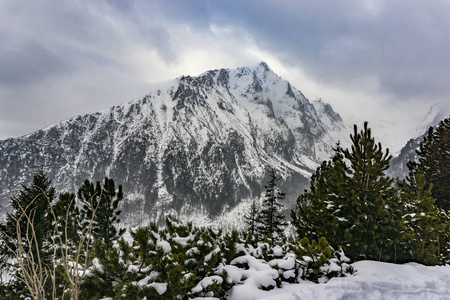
<point>199,146</point>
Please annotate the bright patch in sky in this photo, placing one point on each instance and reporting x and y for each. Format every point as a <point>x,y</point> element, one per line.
<point>379,61</point>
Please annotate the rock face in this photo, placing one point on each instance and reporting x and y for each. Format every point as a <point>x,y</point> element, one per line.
<point>199,145</point>
<point>398,168</point>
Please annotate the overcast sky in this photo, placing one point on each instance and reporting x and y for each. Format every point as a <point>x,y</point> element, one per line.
<point>371,60</point>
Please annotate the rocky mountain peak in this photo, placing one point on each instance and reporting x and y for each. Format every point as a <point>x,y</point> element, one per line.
<point>200,146</point>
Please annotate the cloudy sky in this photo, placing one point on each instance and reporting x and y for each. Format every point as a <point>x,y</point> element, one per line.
<point>371,60</point>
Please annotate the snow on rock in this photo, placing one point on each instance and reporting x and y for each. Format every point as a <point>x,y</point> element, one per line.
<point>195,148</point>
<point>372,280</point>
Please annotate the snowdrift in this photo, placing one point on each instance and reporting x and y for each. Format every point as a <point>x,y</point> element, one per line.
<point>372,280</point>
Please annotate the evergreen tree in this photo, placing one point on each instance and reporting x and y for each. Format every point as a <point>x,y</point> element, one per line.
<point>373,197</point>
<point>271,220</point>
<point>427,224</point>
<point>434,162</point>
<point>34,201</point>
<point>27,231</point>
<point>101,203</point>
<point>251,218</point>
<point>327,195</point>
<point>352,203</point>
<point>178,257</point>
<point>319,254</point>
<point>68,220</point>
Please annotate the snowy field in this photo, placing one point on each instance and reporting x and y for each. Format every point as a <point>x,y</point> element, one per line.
<point>373,280</point>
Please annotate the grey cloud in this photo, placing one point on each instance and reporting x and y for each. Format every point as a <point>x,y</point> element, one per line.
<point>123,6</point>
<point>155,23</point>
<point>402,44</point>
<point>50,40</point>
<point>160,39</point>
<point>30,64</point>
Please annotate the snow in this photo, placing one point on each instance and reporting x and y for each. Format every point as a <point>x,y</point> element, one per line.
<point>206,282</point>
<point>183,241</point>
<point>234,275</point>
<point>289,274</point>
<point>277,251</point>
<point>148,129</point>
<point>372,280</point>
<point>97,265</point>
<point>153,276</point>
<point>258,275</point>
<point>160,288</point>
<point>164,245</point>
<point>287,263</point>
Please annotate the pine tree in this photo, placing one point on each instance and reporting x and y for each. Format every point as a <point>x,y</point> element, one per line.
<point>178,257</point>
<point>103,201</point>
<point>33,200</point>
<point>327,195</point>
<point>427,224</point>
<point>434,162</point>
<point>26,235</point>
<point>318,255</point>
<point>271,220</point>
<point>352,203</point>
<point>373,195</point>
<point>251,218</point>
<point>68,220</point>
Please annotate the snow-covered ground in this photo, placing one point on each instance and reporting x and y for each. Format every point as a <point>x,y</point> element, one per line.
<point>373,280</point>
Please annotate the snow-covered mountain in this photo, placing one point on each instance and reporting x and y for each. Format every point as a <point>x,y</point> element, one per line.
<point>399,164</point>
<point>408,153</point>
<point>198,146</point>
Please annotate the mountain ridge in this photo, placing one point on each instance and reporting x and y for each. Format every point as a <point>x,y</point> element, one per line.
<point>198,144</point>
<point>434,116</point>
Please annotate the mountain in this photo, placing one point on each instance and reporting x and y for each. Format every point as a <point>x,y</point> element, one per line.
<point>398,168</point>
<point>198,146</point>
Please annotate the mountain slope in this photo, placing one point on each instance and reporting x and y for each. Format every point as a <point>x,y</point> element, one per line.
<point>408,153</point>
<point>199,145</point>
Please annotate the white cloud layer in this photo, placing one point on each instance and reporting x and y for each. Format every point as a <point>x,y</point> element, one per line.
<point>372,60</point>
